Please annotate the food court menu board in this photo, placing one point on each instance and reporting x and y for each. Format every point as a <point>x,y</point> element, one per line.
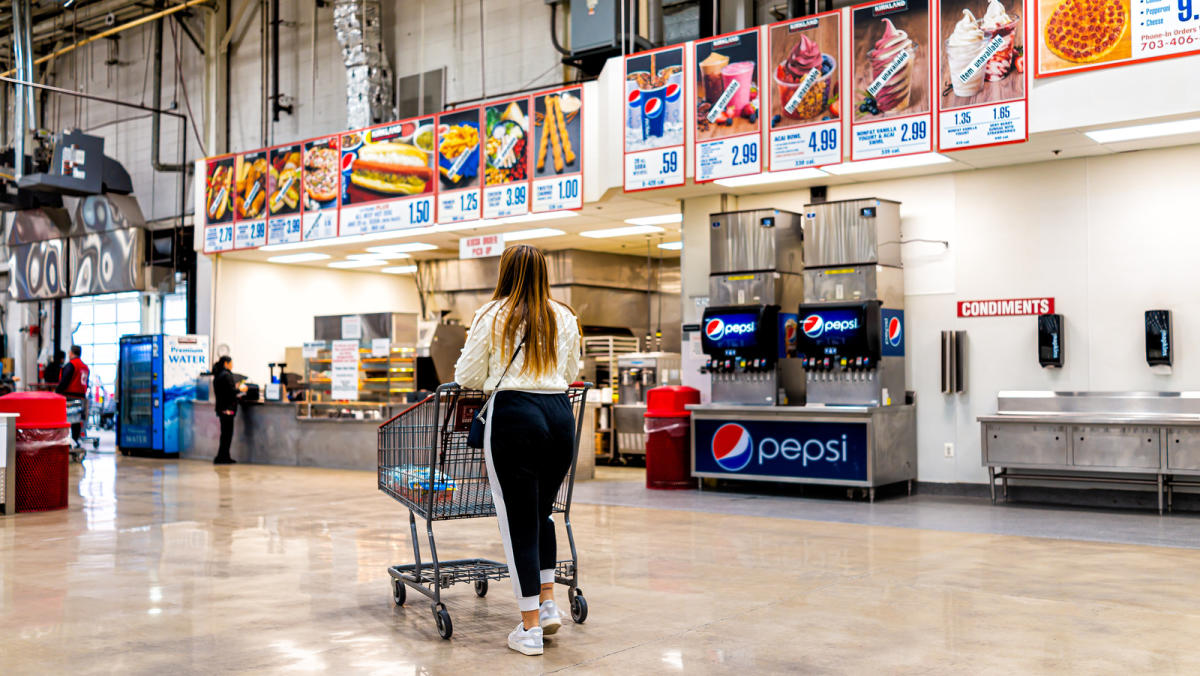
<point>981,73</point>
<point>506,158</point>
<point>558,166</point>
<point>803,92</point>
<point>218,204</point>
<point>250,200</point>
<point>728,81</point>
<point>284,187</point>
<point>321,179</point>
<point>1077,35</point>
<point>458,165</point>
<point>387,177</point>
<point>891,60</point>
<point>653,114</point>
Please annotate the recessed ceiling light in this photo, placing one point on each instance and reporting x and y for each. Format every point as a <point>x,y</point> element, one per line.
<point>886,163</point>
<point>358,263</point>
<point>406,247</point>
<point>535,233</point>
<point>622,232</point>
<point>336,241</point>
<point>673,246</point>
<point>772,177</point>
<point>378,256</point>
<point>1144,131</point>
<point>298,258</point>
<point>530,218</point>
<point>400,270</point>
<point>655,220</point>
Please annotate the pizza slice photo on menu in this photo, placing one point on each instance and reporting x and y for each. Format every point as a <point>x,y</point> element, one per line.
<point>1082,32</point>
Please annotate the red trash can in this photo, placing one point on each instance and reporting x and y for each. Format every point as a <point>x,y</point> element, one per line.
<point>43,448</point>
<point>668,435</point>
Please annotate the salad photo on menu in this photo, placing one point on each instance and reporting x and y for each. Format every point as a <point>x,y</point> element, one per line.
<point>983,52</point>
<point>891,60</point>
<point>506,127</point>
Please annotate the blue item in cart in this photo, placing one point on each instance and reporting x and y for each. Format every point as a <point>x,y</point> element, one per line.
<point>413,478</point>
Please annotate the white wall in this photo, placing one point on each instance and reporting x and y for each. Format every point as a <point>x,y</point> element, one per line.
<point>1108,237</point>
<point>263,308</point>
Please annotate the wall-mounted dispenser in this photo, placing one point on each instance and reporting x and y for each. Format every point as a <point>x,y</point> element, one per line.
<point>1160,350</point>
<point>1050,341</point>
<point>954,362</point>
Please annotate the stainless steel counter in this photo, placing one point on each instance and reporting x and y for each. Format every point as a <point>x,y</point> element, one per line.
<point>1140,438</point>
<point>854,446</point>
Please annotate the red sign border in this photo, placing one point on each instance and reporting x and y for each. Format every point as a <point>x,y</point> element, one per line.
<point>692,101</point>
<point>579,155</point>
<point>682,47</point>
<point>1048,299</point>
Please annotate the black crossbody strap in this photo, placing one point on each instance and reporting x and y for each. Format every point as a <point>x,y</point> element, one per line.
<point>517,351</point>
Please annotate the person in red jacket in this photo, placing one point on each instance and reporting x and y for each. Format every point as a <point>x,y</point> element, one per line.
<point>73,384</point>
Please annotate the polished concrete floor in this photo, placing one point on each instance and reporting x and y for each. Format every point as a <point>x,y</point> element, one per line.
<point>178,567</point>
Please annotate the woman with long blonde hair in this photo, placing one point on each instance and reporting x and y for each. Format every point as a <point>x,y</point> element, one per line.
<point>525,347</point>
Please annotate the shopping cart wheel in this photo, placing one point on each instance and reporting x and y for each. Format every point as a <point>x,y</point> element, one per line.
<point>444,626</point>
<point>398,592</point>
<point>578,607</point>
<point>481,587</point>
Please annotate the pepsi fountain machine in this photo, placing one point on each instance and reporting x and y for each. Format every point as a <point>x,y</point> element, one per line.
<point>817,397</point>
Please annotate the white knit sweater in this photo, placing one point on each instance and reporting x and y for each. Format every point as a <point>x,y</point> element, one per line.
<point>480,365</point>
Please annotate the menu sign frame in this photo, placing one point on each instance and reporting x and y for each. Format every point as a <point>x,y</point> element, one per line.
<point>1167,36</point>
<point>284,220</point>
<point>804,129</point>
<point>891,67</point>
<point>655,148</point>
<point>506,186</point>
<point>320,211</point>
<point>727,131</point>
<point>379,166</point>
<point>460,181</point>
<point>983,88</point>
<point>250,199</point>
<point>550,188</point>
<point>218,203</point>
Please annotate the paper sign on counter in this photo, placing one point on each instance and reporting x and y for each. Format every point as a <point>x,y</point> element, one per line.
<point>351,327</point>
<point>343,373</point>
<point>380,347</point>
<point>311,349</point>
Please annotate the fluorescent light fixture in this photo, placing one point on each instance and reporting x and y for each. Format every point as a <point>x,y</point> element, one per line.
<point>530,218</point>
<point>773,177</point>
<point>406,247</point>
<point>663,219</point>
<point>622,232</point>
<point>298,258</point>
<point>339,241</point>
<point>535,233</point>
<point>1119,134</point>
<point>400,270</point>
<point>390,256</point>
<point>886,163</point>
<point>671,246</point>
<point>358,263</point>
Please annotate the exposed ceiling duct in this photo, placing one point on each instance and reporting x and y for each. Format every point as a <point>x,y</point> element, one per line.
<point>368,75</point>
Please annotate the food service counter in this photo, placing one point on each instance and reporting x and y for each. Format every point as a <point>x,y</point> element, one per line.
<point>853,446</point>
<point>271,433</point>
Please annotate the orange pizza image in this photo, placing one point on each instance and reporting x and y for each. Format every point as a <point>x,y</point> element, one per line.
<point>1085,31</point>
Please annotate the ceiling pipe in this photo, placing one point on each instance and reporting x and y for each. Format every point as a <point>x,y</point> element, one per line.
<point>111,32</point>
<point>156,104</point>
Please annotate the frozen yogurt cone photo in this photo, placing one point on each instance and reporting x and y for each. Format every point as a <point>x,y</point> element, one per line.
<point>963,46</point>
<point>897,91</point>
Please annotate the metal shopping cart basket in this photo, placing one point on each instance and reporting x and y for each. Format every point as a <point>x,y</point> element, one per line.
<point>426,465</point>
<point>77,413</point>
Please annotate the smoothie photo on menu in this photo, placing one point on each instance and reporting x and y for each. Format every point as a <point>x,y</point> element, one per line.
<point>804,85</point>
<point>727,95</point>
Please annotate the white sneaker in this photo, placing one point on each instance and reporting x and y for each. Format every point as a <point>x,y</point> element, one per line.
<point>526,641</point>
<point>549,617</point>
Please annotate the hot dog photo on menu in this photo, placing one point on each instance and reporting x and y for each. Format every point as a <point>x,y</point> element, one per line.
<point>250,186</point>
<point>284,180</point>
<point>218,193</point>
<point>891,60</point>
<point>388,162</point>
<point>983,52</point>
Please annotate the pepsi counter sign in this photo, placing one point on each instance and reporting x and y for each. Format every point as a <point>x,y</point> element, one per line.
<point>786,449</point>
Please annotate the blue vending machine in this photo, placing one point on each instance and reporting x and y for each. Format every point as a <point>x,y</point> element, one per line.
<point>155,373</point>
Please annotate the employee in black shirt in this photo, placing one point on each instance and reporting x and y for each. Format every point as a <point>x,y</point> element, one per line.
<point>53,371</point>
<point>227,389</point>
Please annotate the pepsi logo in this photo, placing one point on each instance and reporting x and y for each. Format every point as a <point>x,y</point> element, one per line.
<point>894,331</point>
<point>348,161</point>
<point>654,106</point>
<point>789,331</point>
<point>635,97</point>
<point>732,447</point>
<point>714,329</point>
<point>673,91</point>
<point>814,326</point>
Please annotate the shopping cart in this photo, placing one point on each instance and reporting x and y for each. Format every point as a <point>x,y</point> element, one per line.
<point>77,413</point>
<point>426,464</point>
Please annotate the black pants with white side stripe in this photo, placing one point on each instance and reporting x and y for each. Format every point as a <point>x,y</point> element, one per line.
<point>529,445</point>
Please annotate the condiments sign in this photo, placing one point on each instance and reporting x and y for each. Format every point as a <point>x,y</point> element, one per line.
<point>1006,307</point>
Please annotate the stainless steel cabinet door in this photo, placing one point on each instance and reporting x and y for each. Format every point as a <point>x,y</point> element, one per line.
<point>1183,449</point>
<point>1116,447</point>
<point>1024,444</point>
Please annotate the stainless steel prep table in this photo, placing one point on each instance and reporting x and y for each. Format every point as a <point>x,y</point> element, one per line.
<point>1141,438</point>
<point>888,452</point>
